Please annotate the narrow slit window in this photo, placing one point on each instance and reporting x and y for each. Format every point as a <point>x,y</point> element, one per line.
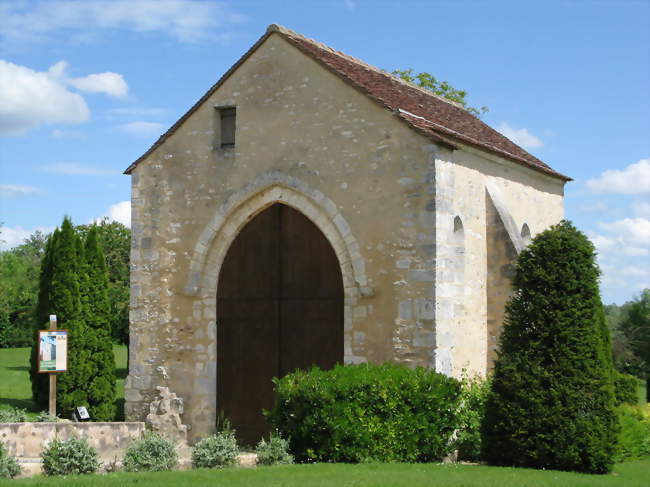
<point>228,120</point>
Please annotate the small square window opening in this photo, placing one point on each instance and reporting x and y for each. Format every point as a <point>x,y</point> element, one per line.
<point>228,120</point>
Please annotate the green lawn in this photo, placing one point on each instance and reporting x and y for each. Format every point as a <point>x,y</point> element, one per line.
<point>15,387</point>
<point>642,391</point>
<point>629,474</point>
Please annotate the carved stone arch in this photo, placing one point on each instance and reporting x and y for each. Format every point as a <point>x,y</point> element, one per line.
<point>268,189</point>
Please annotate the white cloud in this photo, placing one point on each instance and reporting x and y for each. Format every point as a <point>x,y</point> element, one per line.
<point>641,208</point>
<point>119,212</point>
<point>73,169</point>
<point>521,137</point>
<point>630,230</point>
<point>186,20</point>
<point>142,128</point>
<point>12,237</point>
<point>16,190</point>
<point>112,84</point>
<point>29,99</point>
<point>634,179</point>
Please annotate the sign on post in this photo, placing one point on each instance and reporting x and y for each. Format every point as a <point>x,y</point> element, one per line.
<point>52,351</point>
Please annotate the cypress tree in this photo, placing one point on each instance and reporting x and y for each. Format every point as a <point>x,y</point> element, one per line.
<point>40,382</point>
<point>60,294</point>
<point>552,399</point>
<point>101,391</point>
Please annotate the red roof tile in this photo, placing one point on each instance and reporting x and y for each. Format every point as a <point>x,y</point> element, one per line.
<point>431,115</point>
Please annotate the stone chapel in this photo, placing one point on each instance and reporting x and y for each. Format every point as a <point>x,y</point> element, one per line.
<point>312,209</point>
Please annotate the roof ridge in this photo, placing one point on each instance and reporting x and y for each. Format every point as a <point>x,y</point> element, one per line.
<point>284,30</point>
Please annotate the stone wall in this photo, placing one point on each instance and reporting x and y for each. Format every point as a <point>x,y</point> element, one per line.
<point>27,440</point>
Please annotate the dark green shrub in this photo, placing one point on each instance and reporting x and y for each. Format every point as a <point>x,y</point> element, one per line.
<point>552,399</point>
<point>626,388</point>
<point>471,411</point>
<point>634,437</point>
<point>366,412</point>
<point>216,451</point>
<point>69,457</point>
<point>9,467</point>
<point>153,453</point>
<point>273,452</point>
<point>73,285</point>
<point>13,415</point>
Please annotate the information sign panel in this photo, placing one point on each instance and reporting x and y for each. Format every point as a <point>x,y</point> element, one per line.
<point>52,351</point>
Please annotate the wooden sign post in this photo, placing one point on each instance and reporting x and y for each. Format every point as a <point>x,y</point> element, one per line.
<point>52,356</point>
<point>53,376</point>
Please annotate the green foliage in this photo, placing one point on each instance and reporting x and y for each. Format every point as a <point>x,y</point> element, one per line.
<point>73,285</point>
<point>626,388</point>
<point>634,437</point>
<point>69,457</point>
<point>13,415</point>
<point>441,88</point>
<point>635,326</point>
<point>101,388</point>
<point>273,452</point>
<point>153,453</point>
<point>9,467</point>
<point>46,417</point>
<point>115,240</point>
<point>216,451</point>
<point>19,269</point>
<point>365,412</point>
<point>471,412</point>
<point>552,399</point>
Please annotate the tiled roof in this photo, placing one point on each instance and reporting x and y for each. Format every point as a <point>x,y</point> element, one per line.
<point>429,114</point>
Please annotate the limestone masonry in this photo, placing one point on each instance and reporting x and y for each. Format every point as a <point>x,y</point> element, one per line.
<point>424,205</point>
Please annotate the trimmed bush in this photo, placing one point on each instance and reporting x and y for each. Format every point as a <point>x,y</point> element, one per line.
<point>552,399</point>
<point>273,452</point>
<point>9,467</point>
<point>471,412</point>
<point>13,415</point>
<point>626,388</point>
<point>634,437</point>
<point>358,413</point>
<point>153,453</point>
<point>216,451</point>
<point>69,457</point>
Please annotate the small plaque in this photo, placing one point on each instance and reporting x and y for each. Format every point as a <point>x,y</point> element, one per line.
<point>52,351</point>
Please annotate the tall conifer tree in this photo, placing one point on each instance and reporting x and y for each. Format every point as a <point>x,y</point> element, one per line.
<point>60,294</point>
<point>552,398</point>
<point>101,391</point>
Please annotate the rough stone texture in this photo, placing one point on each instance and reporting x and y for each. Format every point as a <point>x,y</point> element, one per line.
<point>410,223</point>
<point>26,441</point>
<point>165,416</point>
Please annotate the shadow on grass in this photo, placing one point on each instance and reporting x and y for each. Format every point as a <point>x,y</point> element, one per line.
<point>120,373</point>
<point>27,404</point>
<point>119,404</point>
<point>22,367</point>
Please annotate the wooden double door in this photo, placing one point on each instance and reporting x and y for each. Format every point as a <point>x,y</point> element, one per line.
<point>279,308</point>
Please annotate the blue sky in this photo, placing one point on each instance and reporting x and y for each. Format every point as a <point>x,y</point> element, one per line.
<point>87,86</point>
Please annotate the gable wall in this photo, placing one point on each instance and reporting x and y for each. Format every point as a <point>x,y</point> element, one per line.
<point>297,124</point>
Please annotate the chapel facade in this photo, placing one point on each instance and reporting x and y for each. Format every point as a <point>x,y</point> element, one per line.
<point>312,209</point>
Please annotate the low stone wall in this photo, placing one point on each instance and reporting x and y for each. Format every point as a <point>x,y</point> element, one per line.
<point>27,440</point>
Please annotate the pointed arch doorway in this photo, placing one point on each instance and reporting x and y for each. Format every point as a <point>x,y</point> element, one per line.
<point>279,308</point>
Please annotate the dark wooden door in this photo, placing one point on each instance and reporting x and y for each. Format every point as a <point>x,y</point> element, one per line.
<point>279,308</point>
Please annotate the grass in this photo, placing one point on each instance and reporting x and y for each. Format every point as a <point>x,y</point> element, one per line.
<point>16,389</point>
<point>629,474</point>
